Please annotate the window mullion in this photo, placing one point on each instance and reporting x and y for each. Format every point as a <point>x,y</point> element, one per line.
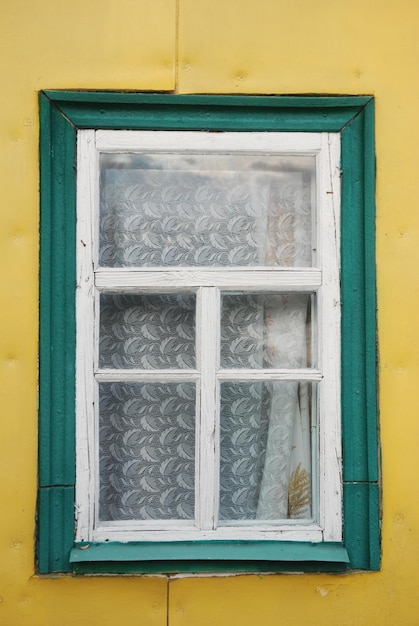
<point>208,307</point>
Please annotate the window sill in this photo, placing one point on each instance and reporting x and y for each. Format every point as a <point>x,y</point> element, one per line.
<point>201,556</point>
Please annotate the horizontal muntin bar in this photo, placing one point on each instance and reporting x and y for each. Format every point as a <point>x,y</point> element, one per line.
<point>271,374</point>
<point>175,280</point>
<point>134,375</point>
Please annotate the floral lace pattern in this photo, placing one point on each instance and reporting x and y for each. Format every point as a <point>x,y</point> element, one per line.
<point>147,451</point>
<point>259,331</point>
<point>168,218</point>
<point>147,431</point>
<point>147,331</point>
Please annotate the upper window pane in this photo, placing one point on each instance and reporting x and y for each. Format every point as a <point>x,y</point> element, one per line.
<point>215,209</point>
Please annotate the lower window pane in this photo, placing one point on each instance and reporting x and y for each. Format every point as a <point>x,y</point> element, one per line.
<point>265,451</point>
<point>147,451</point>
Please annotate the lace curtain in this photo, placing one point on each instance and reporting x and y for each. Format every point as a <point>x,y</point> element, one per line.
<point>258,214</point>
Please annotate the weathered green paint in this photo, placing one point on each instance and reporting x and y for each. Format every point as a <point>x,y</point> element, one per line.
<point>57,299</point>
<point>239,113</point>
<point>98,98</point>
<point>204,556</point>
<point>55,529</point>
<point>371,400</point>
<point>362,530</point>
<point>61,114</point>
<point>210,551</point>
<point>196,567</point>
<point>359,300</point>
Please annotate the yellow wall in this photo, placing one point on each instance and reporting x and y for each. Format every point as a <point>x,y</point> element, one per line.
<point>218,46</point>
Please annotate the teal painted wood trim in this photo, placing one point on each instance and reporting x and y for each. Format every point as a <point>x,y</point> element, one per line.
<point>61,114</point>
<point>57,298</point>
<point>134,117</point>
<point>168,111</point>
<point>362,525</point>
<point>132,97</point>
<point>55,529</point>
<point>359,333</point>
<point>197,567</point>
<point>371,343</point>
<point>359,409</point>
<point>210,551</point>
<point>201,556</point>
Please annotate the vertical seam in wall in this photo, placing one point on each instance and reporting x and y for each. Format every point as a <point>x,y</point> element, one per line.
<point>177,46</point>
<point>167,599</point>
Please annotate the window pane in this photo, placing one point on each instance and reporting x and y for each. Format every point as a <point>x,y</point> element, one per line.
<point>265,451</point>
<point>147,331</point>
<point>147,451</point>
<point>265,330</point>
<point>206,210</point>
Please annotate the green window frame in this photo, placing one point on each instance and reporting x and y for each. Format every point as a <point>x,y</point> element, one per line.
<point>62,114</point>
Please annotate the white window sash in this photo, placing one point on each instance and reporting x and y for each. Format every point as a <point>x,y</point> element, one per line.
<point>323,280</point>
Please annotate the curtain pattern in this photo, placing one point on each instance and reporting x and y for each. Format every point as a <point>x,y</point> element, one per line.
<point>265,428</point>
<point>165,218</point>
<point>147,331</point>
<point>147,451</point>
<point>147,431</point>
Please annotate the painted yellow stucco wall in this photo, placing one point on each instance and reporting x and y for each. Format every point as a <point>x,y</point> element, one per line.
<point>213,46</point>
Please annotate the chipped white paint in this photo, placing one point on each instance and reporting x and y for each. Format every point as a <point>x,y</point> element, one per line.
<point>322,280</point>
<point>286,530</point>
<point>136,375</point>
<point>328,316</point>
<point>206,472</point>
<point>85,303</point>
<point>195,141</point>
<point>177,280</point>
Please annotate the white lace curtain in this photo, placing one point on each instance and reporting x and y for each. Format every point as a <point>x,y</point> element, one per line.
<point>220,217</point>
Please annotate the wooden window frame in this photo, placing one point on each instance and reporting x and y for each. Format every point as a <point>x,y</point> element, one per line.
<point>322,280</point>
<point>62,115</point>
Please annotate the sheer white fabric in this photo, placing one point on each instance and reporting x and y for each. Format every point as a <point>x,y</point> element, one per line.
<point>265,469</point>
<point>288,455</point>
<point>255,214</point>
<point>222,213</point>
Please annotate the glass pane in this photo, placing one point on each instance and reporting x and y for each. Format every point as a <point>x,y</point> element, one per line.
<point>206,210</point>
<point>265,330</point>
<point>265,451</point>
<point>147,331</point>
<point>147,451</point>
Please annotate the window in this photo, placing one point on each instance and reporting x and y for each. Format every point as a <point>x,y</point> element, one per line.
<point>208,336</point>
<point>191,334</point>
